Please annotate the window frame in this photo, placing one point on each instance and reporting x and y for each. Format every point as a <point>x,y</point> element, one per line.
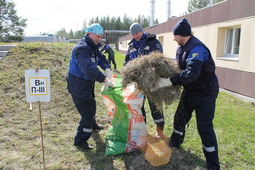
<point>229,49</point>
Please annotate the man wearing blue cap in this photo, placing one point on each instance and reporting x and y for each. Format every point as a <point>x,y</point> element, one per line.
<point>143,44</point>
<point>81,77</point>
<point>199,94</point>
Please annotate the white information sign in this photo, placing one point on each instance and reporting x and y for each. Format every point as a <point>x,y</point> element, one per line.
<point>37,85</point>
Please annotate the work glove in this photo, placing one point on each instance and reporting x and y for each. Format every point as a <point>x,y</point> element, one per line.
<point>108,73</point>
<point>108,83</point>
<point>162,82</point>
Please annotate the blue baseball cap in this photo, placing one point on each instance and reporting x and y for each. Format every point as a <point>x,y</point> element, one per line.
<point>95,29</point>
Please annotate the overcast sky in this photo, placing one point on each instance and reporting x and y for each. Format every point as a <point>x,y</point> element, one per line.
<point>49,16</point>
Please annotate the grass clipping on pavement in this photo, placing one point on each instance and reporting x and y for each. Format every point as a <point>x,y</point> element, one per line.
<point>146,70</point>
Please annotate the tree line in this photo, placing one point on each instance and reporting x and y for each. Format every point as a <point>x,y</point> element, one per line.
<point>113,23</point>
<point>12,27</point>
<point>117,23</point>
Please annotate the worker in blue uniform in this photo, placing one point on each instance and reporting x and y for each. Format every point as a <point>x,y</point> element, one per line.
<point>107,49</point>
<point>82,74</point>
<point>143,44</point>
<point>199,93</point>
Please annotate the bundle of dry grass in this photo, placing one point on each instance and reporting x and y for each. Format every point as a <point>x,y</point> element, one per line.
<point>157,152</point>
<point>146,70</point>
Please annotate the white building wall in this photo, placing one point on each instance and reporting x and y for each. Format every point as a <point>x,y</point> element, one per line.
<point>213,36</point>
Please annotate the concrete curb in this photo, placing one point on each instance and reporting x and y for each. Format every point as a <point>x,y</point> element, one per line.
<point>4,50</point>
<point>239,96</point>
<point>6,47</point>
<point>3,54</point>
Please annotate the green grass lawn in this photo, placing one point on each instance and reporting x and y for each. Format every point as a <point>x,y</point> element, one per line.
<point>119,59</point>
<point>20,139</point>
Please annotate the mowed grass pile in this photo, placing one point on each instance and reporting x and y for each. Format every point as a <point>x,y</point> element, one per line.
<point>146,70</point>
<point>20,139</point>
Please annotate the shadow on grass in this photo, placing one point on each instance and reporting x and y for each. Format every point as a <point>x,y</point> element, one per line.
<point>179,159</point>
<point>97,159</point>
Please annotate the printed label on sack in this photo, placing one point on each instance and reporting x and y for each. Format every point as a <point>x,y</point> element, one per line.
<point>110,105</point>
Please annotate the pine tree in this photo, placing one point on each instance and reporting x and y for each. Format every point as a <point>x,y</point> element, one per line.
<point>194,5</point>
<point>11,26</point>
<point>113,23</point>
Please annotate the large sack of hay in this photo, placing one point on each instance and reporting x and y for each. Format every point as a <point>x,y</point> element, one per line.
<point>146,70</point>
<point>128,131</point>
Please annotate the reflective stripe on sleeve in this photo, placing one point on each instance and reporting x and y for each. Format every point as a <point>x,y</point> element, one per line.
<point>87,130</point>
<point>209,149</point>
<point>159,120</point>
<point>178,132</point>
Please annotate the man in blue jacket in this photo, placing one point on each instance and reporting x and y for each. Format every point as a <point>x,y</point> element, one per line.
<point>107,49</point>
<point>143,44</point>
<point>82,74</point>
<point>199,94</point>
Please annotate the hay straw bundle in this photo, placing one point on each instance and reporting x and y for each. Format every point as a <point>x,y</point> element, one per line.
<point>157,152</point>
<point>146,70</point>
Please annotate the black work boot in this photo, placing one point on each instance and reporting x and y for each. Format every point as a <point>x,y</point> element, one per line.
<point>83,145</point>
<point>98,126</point>
<point>176,140</point>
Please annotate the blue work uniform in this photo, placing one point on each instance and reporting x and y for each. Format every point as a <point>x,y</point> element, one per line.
<point>81,77</point>
<point>107,49</point>
<point>146,45</point>
<point>201,88</point>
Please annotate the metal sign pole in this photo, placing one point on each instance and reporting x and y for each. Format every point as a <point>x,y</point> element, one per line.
<point>40,111</point>
<point>38,90</point>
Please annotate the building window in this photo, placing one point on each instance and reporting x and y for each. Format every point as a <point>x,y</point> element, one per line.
<point>228,43</point>
<point>161,40</point>
<point>232,42</point>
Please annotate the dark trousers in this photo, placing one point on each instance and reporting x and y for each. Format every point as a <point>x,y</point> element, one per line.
<point>87,110</point>
<point>82,92</point>
<point>156,114</point>
<point>112,60</point>
<point>204,117</point>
